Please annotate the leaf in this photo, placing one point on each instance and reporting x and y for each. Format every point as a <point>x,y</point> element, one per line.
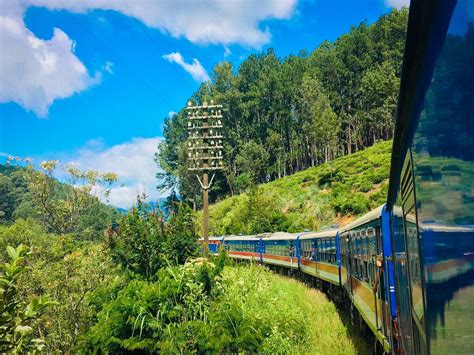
<point>12,253</point>
<point>23,329</point>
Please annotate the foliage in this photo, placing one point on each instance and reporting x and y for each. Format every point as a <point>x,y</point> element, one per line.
<point>13,188</point>
<point>158,316</point>
<point>66,271</point>
<point>243,309</point>
<point>18,315</point>
<point>252,160</point>
<point>29,194</point>
<point>284,115</point>
<point>317,197</point>
<point>145,243</point>
<point>62,214</point>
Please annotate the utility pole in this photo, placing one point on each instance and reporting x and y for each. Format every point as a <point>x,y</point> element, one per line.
<point>205,151</point>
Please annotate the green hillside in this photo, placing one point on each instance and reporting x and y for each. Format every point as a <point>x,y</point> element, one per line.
<point>332,193</point>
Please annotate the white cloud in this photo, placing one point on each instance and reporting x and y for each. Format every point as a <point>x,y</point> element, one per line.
<point>196,70</point>
<point>397,3</point>
<point>134,163</point>
<point>206,21</point>
<point>108,67</point>
<point>35,72</point>
<point>227,51</point>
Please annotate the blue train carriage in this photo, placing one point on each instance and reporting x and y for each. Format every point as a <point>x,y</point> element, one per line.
<point>319,255</point>
<point>280,249</point>
<point>367,272</point>
<point>431,192</point>
<point>243,247</point>
<point>214,244</point>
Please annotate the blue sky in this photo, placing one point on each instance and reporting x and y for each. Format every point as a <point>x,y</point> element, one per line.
<point>92,80</point>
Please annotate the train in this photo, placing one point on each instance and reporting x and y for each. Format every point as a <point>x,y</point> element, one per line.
<point>408,265</point>
<point>345,258</point>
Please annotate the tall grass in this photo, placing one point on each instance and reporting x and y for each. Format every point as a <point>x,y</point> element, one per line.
<point>301,320</point>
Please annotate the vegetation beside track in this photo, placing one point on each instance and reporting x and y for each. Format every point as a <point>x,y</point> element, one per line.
<point>302,320</point>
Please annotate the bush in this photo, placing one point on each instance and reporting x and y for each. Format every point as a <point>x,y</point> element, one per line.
<point>348,202</point>
<point>145,242</point>
<point>18,315</point>
<point>166,315</point>
<point>65,270</point>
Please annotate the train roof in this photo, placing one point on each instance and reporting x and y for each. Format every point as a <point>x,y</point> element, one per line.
<point>279,236</point>
<point>241,237</point>
<point>320,234</point>
<point>368,217</point>
<point>212,238</point>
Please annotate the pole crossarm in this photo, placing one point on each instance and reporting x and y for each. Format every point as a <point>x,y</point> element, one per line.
<point>205,151</point>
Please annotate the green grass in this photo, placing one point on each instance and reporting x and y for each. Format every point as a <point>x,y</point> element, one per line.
<point>303,320</point>
<point>314,198</point>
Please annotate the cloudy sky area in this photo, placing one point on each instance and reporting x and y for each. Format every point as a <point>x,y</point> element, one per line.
<point>91,81</point>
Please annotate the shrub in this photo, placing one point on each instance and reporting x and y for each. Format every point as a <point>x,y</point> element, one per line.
<point>18,315</point>
<point>67,271</point>
<point>145,242</point>
<point>165,315</point>
<point>348,202</point>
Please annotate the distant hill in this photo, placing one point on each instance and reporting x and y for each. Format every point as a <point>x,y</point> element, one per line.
<point>332,193</point>
<point>15,201</point>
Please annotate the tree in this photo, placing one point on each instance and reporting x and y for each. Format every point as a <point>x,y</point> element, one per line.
<point>321,124</point>
<point>61,207</point>
<point>253,160</point>
<point>283,115</point>
<point>145,242</point>
<point>7,199</point>
<point>379,92</point>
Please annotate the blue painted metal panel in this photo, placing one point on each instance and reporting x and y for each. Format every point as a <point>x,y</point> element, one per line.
<point>338,255</point>
<point>387,252</point>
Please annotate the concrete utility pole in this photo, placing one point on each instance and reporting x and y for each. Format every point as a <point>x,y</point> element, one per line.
<point>205,151</point>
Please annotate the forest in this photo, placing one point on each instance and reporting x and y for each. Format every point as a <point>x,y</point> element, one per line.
<point>284,115</point>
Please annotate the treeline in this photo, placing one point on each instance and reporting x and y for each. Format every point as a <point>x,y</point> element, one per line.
<point>283,115</point>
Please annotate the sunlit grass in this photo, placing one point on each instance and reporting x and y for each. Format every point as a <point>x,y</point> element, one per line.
<point>303,320</point>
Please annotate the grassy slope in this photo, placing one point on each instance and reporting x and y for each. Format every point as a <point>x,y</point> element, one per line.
<point>314,198</point>
<point>304,321</point>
